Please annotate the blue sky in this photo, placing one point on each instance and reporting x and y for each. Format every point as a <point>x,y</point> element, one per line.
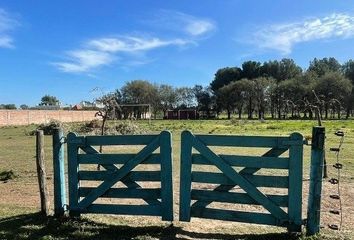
<point>68,48</point>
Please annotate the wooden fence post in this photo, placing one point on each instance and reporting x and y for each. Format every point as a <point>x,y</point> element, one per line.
<point>316,171</point>
<point>59,175</point>
<point>41,173</point>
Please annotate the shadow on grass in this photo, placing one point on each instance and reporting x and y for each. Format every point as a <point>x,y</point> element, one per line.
<point>35,226</point>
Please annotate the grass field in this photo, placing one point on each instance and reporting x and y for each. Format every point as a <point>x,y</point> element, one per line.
<point>19,197</point>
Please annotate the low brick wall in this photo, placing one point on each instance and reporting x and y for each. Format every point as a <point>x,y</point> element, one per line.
<point>26,117</point>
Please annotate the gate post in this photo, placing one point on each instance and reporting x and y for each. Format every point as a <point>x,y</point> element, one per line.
<point>185,176</point>
<point>59,176</point>
<point>316,171</point>
<point>166,176</point>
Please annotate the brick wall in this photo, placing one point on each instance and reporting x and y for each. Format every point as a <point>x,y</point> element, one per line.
<point>25,117</point>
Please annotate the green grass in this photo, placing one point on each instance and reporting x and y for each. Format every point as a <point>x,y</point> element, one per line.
<point>19,200</point>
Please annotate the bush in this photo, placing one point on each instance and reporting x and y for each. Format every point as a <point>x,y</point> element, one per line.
<point>7,175</point>
<point>91,126</point>
<point>48,128</point>
<point>128,127</point>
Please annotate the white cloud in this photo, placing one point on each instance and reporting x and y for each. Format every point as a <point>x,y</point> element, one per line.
<point>84,60</point>
<point>181,22</point>
<point>132,44</point>
<point>131,49</point>
<point>7,24</point>
<point>283,37</point>
<point>103,51</point>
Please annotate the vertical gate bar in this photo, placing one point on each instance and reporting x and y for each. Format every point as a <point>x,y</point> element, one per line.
<point>185,176</point>
<point>295,183</point>
<point>73,175</point>
<point>314,200</point>
<point>166,176</point>
<point>59,175</point>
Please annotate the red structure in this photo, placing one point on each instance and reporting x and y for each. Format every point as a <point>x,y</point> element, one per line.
<point>182,114</point>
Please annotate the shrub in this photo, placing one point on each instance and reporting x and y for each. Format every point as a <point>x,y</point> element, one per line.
<point>91,126</point>
<point>48,128</point>
<point>7,175</point>
<point>128,127</point>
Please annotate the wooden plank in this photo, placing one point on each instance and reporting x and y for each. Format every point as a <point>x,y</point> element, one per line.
<point>166,176</point>
<point>238,179</point>
<point>146,193</point>
<point>233,197</point>
<point>235,216</point>
<point>274,152</point>
<point>146,210</point>
<point>240,141</point>
<point>126,180</point>
<point>120,140</point>
<point>185,176</point>
<point>123,171</point>
<point>246,161</point>
<point>73,168</point>
<point>139,176</point>
<point>295,183</point>
<point>256,180</point>
<point>115,158</point>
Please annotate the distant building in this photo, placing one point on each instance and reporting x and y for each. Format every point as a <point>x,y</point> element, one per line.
<point>77,107</point>
<point>182,114</point>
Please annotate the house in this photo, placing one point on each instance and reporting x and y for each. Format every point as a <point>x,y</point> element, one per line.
<point>182,114</point>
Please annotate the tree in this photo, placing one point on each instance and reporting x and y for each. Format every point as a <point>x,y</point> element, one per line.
<point>48,100</point>
<point>8,106</point>
<point>24,107</point>
<point>261,93</point>
<point>110,104</point>
<point>348,71</point>
<point>205,99</point>
<point>140,92</point>
<point>294,92</point>
<point>224,76</point>
<point>251,69</point>
<point>324,65</point>
<point>185,97</point>
<point>225,96</point>
<point>288,69</point>
<point>333,88</point>
<point>168,97</point>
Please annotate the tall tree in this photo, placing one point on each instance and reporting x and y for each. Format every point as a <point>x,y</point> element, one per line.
<point>185,97</point>
<point>140,92</point>
<point>348,70</point>
<point>48,100</point>
<point>205,99</point>
<point>227,98</point>
<point>288,69</point>
<point>251,69</point>
<point>333,88</point>
<point>224,76</point>
<point>261,93</point>
<point>168,97</point>
<point>324,65</point>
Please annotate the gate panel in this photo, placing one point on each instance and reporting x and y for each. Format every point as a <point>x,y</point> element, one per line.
<point>228,178</point>
<point>120,168</point>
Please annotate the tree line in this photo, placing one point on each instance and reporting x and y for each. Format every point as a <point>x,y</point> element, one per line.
<point>272,89</point>
<point>275,89</point>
